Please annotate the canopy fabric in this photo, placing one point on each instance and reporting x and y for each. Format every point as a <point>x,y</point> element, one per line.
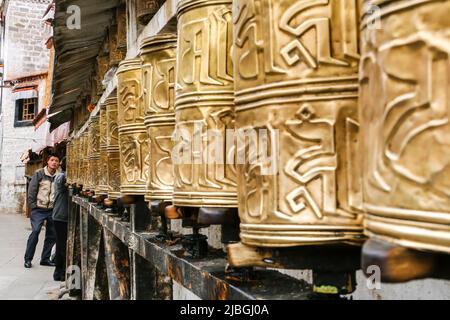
<point>75,53</point>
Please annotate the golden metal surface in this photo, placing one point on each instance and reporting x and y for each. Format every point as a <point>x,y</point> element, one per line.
<point>112,148</point>
<point>102,186</point>
<point>77,162</point>
<point>158,56</point>
<point>76,159</point>
<point>296,81</point>
<point>69,159</point>
<point>133,137</point>
<point>93,153</point>
<point>80,161</point>
<point>84,163</point>
<point>405,127</point>
<point>204,96</point>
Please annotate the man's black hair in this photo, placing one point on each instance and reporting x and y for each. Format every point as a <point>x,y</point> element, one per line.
<point>53,155</point>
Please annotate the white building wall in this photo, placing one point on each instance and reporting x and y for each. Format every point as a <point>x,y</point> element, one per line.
<point>25,54</point>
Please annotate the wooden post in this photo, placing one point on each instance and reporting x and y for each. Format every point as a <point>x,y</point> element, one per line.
<point>94,234</point>
<point>147,283</point>
<point>83,249</point>
<point>73,246</point>
<point>117,267</point>
<point>101,289</point>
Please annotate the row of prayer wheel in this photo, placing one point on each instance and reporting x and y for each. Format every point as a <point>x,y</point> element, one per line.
<point>348,98</point>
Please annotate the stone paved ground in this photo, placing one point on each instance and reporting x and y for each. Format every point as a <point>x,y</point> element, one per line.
<point>16,282</point>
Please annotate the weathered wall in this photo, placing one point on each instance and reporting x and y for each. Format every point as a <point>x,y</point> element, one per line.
<point>25,37</point>
<point>15,142</point>
<point>25,54</point>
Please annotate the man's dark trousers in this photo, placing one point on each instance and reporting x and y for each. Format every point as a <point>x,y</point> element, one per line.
<point>38,216</point>
<point>61,240</point>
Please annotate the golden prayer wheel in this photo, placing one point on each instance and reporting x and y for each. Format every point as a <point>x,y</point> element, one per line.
<point>133,137</point>
<point>204,106</point>
<point>158,56</point>
<point>146,9</point>
<point>69,155</point>
<point>84,163</point>
<point>70,161</point>
<point>405,130</point>
<point>75,162</point>
<point>102,187</point>
<point>80,162</point>
<point>93,153</point>
<point>112,147</point>
<point>296,82</point>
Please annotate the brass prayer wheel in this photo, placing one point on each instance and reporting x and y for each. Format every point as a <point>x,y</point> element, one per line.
<point>405,130</point>
<point>69,156</point>
<point>84,163</point>
<point>296,81</point>
<point>133,138</point>
<point>82,160</point>
<point>102,186</point>
<point>76,161</point>
<point>204,103</point>
<point>112,148</point>
<point>146,9</point>
<point>93,153</point>
<point>158,56</point>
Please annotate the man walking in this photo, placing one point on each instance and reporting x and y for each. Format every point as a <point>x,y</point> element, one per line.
<point>60,219</point>
<point>40,200</point>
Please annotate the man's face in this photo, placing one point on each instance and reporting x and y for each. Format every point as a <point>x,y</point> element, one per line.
<point>53,163</point>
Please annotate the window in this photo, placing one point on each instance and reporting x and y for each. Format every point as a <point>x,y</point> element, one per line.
<point>26,110</point>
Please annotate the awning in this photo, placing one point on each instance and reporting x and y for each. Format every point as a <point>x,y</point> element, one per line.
<point>75,53</point>
<point>43,137</point>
